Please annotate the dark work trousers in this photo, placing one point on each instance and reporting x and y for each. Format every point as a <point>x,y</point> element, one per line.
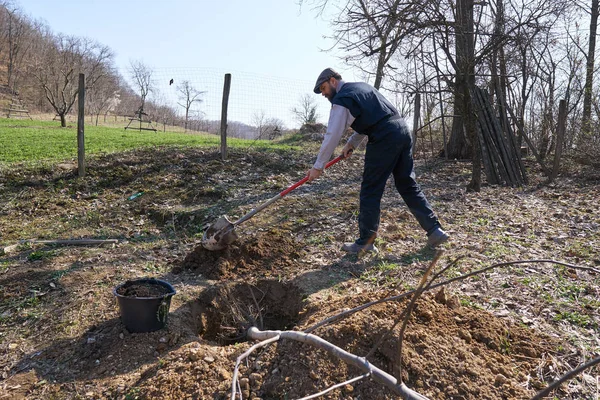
<point>389,152</point>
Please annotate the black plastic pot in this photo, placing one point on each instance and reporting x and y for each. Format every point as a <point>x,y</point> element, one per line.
<point>144,314</point>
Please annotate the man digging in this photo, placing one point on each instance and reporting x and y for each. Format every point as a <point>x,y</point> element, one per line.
<point>389,152</point>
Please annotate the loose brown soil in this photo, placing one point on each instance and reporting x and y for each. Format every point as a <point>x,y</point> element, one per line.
<point>254,257</point>
<point>503,334</point>
<point>143,289</point>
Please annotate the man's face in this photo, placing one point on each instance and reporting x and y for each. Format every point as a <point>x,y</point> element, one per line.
<point>328,88</point>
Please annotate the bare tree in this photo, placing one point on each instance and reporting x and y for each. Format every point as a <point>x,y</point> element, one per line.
<point>164,113</point>
<point>267,128</point>
<point>4,18</point>
<point>188,95</point>
<point>259,120</point>
<point>16,30</point>
<point>103,96</point>
<point>306,112</point>
<point>589,75</point>
<point>142,79</point>
<point>275,128</point>
<point>470,42</point>
<point>57,66</point>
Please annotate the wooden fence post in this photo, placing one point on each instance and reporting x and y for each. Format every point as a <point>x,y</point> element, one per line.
<point>562,121</point>
<point>80,127</point>
<point>224,106</point>
<point>417,118</point>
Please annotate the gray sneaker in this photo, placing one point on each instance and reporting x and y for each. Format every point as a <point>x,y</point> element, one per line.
<point>436,238</point>
<point>357,248</point>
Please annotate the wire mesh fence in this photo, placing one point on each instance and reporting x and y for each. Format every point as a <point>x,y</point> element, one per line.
<point>255,101</point>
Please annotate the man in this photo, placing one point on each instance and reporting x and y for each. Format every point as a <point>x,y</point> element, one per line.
<point>389,152</point>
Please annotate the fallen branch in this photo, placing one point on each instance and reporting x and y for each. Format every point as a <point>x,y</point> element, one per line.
<point>61,242</point>
<point>419,290</point>
<point>395,384</point>
<point>565,378</point>
<point>383,337</point>
<point>359,362</point>
<point>235,384</point>
<point>346,313</point>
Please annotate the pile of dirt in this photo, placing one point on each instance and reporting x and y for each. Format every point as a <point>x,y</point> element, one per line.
<point>449,352</point>
<point>268,254</point>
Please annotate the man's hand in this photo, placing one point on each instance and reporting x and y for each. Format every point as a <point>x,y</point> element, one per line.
<point>313,174</point>
<point>347,150</point>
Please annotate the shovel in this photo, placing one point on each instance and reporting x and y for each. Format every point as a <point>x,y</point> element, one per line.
<point>222,233</point>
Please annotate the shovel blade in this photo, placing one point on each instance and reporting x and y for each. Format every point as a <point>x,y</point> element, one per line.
<point>219,235</point>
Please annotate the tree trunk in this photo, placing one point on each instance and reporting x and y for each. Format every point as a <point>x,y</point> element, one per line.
<point>462,137</point>
<point>458,147</point>
<point>380,65</point>
<point>524,95</point>
<point>587,91</point>
<point>63,120</point>
<point>466,61</point>
<point>470,128</point>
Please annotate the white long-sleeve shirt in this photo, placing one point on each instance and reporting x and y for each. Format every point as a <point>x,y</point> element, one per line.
<point>339,120</point>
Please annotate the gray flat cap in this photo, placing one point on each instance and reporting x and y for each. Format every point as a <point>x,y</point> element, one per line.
<point>327,74</point>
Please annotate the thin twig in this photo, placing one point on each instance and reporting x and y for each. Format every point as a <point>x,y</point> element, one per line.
<point>339,385</point>
<point>344,314</point>
<point>401,316</point>
<point>410,308</point>
<point>565,378</point>
<point>386,334</point>
<point>260,317</point>
<point>239,386</point>
<point>244,355</point>
<point>446,268</point>
<point>361,363</point>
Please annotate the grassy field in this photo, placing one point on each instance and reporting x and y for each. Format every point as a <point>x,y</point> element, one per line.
<point>33,141</point>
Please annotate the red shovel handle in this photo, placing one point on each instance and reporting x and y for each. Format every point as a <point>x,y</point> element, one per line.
<point>305,179</point>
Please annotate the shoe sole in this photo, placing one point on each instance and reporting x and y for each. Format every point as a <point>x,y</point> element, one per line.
<point>373,250</point>
<point>439,242</point>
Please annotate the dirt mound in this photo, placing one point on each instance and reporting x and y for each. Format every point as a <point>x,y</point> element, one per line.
<point>269,254</point>
<point>450,352</point>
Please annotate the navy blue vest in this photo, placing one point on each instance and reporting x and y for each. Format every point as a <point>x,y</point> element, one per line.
<point>369,108</point>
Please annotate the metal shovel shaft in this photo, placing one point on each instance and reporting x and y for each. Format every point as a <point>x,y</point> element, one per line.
<point>222,233</point>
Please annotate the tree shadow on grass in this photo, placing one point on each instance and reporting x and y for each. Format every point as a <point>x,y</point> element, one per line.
<point>423,255</point>
<point>351,266</point>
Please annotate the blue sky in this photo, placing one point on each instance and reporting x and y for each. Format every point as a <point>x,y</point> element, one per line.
<point>264,37</point>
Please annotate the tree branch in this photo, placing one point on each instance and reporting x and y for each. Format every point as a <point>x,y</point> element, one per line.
<point>359,362</point>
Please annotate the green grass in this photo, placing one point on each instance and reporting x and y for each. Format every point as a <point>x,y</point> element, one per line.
<point>31,141</point>
<point>575,318</point>
<point>40,255</point>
